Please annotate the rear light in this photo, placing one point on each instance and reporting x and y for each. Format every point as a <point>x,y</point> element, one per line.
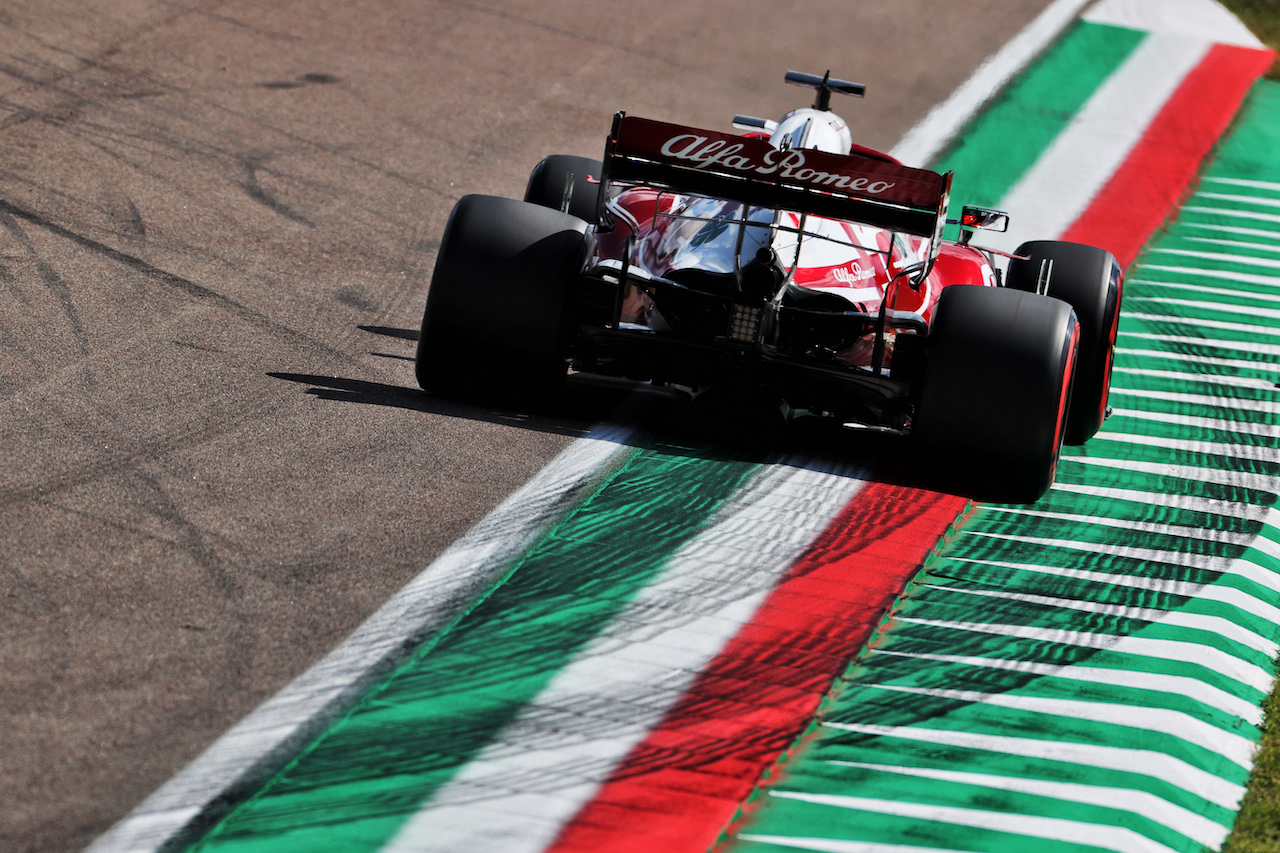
<point>744,323</point>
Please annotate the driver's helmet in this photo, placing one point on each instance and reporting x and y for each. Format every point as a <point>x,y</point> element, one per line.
<point>821,130</point>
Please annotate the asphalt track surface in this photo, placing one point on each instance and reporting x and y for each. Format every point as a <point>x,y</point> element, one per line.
<point>217,227</point>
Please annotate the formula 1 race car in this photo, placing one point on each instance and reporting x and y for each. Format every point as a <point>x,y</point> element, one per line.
<point>790,260</point>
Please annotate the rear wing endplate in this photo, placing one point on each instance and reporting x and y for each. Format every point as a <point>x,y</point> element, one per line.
<point>751,171</point>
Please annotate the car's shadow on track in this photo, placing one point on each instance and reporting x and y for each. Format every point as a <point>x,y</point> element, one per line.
<point>343,390</point>
<point>574,415</point>
<point>717,425</point>
<point>826,443</point>
<point>677,421</point>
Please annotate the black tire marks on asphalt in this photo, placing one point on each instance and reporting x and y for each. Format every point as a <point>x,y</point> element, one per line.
<point>253,163</point>
<point>189,288</point>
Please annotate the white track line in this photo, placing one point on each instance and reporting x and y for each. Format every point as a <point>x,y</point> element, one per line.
<point>1236,244</point>
<point>1195,503</point>
<point>1160,682</point>
<point>1265,186</point>
<point>1227,275</point>
<point>1155,765</point>
<point>1178,651</point>
<point>1237,749</point>
<point>1118,838</point>
<point>1251,329</point>
<point>1220,402</point>
<point>835,845</point>
<point>1205,288</point>
<point>1184,446</point>
<point>1252,603</point>
<point>1217,343</point>
<point>1183,821</point>
<point>1181,531</point>
<point>1227,629</point>
<point>1245,260</point>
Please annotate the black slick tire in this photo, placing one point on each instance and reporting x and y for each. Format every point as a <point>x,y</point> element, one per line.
<point>549,179</point>
<point>1090,281</point>
<point>499,310</point>
<point>996,388</point>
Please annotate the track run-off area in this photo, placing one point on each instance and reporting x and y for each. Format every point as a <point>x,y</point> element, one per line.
<point>660,644</point>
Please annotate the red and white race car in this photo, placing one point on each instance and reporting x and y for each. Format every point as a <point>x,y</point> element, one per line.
<point>789,260</point>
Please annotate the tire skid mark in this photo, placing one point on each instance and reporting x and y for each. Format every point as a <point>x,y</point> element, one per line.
<point>129,222</point>
<point>253,163</point>
<point>57,288</point>
<point>107,140</point>
<point>32,599</point>
<point>191,289</point>
<point>134,32</point>
<point>215,143</point>
<point>188,537</point>
<point>206,11</point>
<point>108,463</point>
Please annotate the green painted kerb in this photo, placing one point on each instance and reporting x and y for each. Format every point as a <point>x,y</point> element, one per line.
<point>1022,122</point>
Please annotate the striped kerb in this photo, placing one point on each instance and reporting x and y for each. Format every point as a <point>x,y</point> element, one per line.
<point>1085,673</point>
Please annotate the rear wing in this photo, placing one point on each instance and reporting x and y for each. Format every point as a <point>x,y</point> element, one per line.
<point>751,171</point>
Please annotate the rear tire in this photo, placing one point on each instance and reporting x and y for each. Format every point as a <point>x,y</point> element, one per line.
<point>1089,280</point>
<point>548,180</point>
<point>996,389</point>
<point>498,316</point>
